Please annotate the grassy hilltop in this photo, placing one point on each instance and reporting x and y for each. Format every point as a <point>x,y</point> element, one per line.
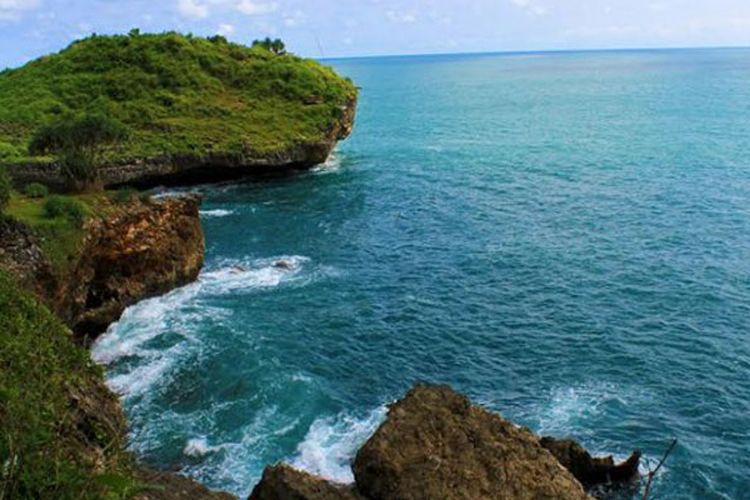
<point>176,94</point>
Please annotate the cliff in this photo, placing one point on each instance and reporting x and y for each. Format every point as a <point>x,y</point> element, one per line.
<point>127,253</point>
<point>196,109</point>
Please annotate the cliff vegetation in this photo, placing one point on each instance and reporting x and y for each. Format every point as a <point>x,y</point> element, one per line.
<point>177,95</point>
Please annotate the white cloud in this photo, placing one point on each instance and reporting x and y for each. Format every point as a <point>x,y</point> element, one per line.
<point>12,9</point>
<point>294,19</point>
<point>225,29</point>
<point>192,9</point>
<point>200,9</point>
<point>401,17</point>
<point>252,8</point>
<point>531,6</point>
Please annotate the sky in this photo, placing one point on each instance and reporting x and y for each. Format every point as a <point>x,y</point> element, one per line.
<point>344,28</point>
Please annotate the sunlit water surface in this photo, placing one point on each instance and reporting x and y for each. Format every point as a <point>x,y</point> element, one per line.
<point>563,237</point>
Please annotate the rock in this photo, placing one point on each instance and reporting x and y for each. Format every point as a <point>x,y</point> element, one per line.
<point>588,470</point>
<point>137,251</point>
<point>169,486</point>
<point>436,445</point>
<point>143,251</point>
<point>281,482</point>
<point>284,265</point>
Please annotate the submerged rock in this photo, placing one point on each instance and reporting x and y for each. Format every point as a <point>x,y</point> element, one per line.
<point>282,482</point>
<point>592,471</point>
<point>436,445</point>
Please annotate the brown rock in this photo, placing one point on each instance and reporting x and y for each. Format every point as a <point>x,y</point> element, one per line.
<point>591,471</point>
<point>168,486</point>
<point>281,482</point>
<point>436,445</point>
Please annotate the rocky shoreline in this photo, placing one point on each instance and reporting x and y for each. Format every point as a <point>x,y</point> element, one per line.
<point>435,444</point>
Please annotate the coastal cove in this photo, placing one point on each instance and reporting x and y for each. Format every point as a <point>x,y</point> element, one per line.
<point>527,228</point>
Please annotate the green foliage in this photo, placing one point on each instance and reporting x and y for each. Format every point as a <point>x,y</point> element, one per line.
<point>177,95</point>
<point>36,190</point>
<point>275,46</point>
<point>63,206</point>
<point>47,440</point>
<point>5,188</point>
<point>79,142</point>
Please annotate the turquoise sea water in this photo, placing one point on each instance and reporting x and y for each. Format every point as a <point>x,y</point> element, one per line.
<point>563,237</point>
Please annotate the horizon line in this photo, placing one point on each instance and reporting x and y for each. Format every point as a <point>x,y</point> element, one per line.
<point>535,51</point>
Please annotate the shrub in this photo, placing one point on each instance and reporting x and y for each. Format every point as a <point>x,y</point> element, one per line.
<point>61,206</point>
<point>79,143</point>
<point>36,190</point>
<point>5,188</point>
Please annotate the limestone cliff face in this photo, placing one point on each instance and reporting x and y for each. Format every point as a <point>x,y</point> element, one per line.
<point>141,252</point>
<point>138,251</point>
<point>189,170</point>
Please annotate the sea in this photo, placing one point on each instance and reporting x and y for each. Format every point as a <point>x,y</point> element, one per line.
<point>564,237</point>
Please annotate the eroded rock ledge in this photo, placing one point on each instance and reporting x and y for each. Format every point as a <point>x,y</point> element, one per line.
<point>436,445</point>
<point>139,251</point>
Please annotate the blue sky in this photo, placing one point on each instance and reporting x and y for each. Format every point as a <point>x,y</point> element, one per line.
<point>29,28</point>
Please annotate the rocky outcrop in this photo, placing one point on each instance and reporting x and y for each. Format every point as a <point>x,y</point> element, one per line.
<point>436,445</point>
<point>592,471</point>
<point>189,170</point>
<point>136,251</point>
<point>282,482</point>
<point>143,251</point>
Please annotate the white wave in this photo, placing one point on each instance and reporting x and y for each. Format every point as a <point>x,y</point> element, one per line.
<point>142,378</point>
<point>199,447</point>
<point>331,444</point>
<point>141,323</point>
<point>264,273</point>
<point>152,318</point>
<point>217,213</point>
<point>332,163</point>
<point>570,408</point>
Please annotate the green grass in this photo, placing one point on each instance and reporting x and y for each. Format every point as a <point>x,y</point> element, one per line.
<point>60,432</point>
<point>178,95</point>
<point>60,237</point>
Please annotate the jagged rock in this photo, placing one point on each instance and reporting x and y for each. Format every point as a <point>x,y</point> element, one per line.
<point>436,445</point>
<point>591,471</point>
<point>281,482</point>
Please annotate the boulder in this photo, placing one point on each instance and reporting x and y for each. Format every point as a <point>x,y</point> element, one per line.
<point>281,482</point>
<point>591,471</point>
<point>436,445</point>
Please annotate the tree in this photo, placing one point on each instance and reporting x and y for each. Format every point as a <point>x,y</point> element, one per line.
<point>79,143</point>
<point>275,46</point>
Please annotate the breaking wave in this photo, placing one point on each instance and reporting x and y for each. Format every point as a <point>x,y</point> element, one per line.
<point>332,442</point>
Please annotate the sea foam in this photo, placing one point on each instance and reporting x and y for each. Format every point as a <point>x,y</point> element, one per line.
<point>332,442</point>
